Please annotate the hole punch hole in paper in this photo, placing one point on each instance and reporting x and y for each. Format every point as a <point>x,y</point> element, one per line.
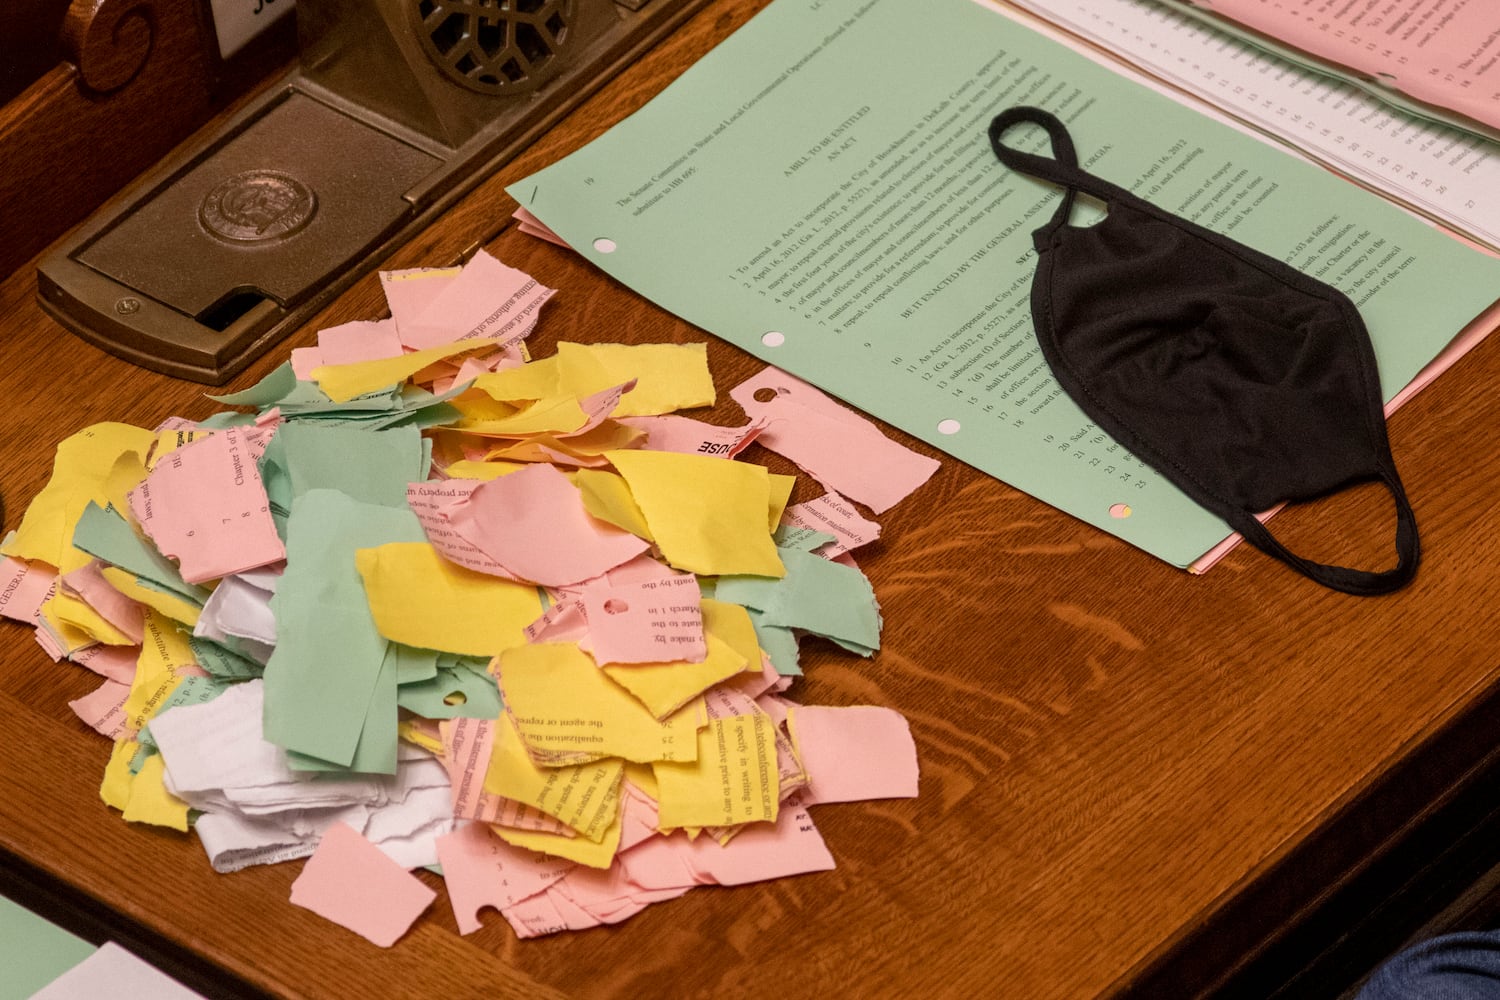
<point>615,606</point>
<point>949,426</point>
<point>455,698</point>
<point>773,338</point>
<point>605,245</point>
<point>1119,511</point>
<point>765,393</point>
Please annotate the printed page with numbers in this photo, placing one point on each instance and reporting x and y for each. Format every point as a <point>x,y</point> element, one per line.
<point>820,191</point>
<point>1451,176</point>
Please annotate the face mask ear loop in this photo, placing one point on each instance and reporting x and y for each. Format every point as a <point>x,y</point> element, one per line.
<point>1062,168</point>
<point>1361,583</point>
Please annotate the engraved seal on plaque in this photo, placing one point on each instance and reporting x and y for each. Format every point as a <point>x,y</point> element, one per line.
<point>257,205</point>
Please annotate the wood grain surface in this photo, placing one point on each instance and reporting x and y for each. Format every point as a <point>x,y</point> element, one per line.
<point>1114,753</point>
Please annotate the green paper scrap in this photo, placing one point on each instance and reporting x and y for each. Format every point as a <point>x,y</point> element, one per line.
<point>266,393</point>
<point>321,682</point>
<point>369,466</point>
<point>226,419</point>
<point>222,661</point>
<point>865,238</point>
<point>107,536</point>
<point>190,691</point>
<point>413,664</point>
<point>474,695</point>
<point>816,595</point>
<point>777,642</point>
<point>307,401</point>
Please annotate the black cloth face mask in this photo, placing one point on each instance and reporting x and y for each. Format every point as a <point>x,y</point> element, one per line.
<point>1241,380</point>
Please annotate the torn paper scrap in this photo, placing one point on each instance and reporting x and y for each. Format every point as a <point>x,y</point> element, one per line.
<point>486,300</point>
<point>836,446</point>
<point>854,753</point>
<point>204,506</point>
<point>707,516</point>
<point>350,882</point>
<point>482,870</point>
<point>421,599</point>
<point>533,523</point>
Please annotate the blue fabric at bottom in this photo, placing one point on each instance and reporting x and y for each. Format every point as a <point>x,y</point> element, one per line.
<point>1461,966</point>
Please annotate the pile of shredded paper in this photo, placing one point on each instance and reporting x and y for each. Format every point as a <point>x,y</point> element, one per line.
<point>422,600</point>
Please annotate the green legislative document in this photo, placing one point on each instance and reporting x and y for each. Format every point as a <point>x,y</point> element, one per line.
<point>820,191</point>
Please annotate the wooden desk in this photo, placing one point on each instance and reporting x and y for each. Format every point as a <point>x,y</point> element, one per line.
<point>1134,781</point>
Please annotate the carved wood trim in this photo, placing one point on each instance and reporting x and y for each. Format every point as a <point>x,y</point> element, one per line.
<point>109,41</point>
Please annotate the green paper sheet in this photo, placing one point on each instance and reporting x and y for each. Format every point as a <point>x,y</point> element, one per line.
<point>812,194</point>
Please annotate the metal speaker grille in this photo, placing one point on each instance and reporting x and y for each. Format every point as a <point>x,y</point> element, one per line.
<point>493,46</point>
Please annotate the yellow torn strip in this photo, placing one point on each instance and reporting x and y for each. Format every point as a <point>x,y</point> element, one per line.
<point>606,497</point>
<point>165,604</point>
<point>150,802</point>
<point>342,383</point>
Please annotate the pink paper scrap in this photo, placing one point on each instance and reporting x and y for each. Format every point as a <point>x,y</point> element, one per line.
<point>351,882</point>
<point>836,446</point>
<point>854,753</point>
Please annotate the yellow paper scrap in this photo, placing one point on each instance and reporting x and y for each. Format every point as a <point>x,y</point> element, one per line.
<point>415,732</point>
<point>731,623</point>
<point>524,383</point>
<point>642,777</point>
<point>587,448</point>
<point>115,788</point>
<point>549,415</point>
<point>569,712</point>
<point>781,495</point>
<point>584,796</point>
<point>486,470</point>
<point>733,781</point>
<point>665,687</point>
<point>79,625</point>
<point>167,605</point>
<point>149,800</point>
<point>124,475</point>
<point>165,645</point>
<point>708,515</point>
<point>342,383</point>
<point>421,599</point>
<point>164,655</point>
<point>79,472</point>
<point>606,497</point>
<point>669,377</point>
<point>583,851</point>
